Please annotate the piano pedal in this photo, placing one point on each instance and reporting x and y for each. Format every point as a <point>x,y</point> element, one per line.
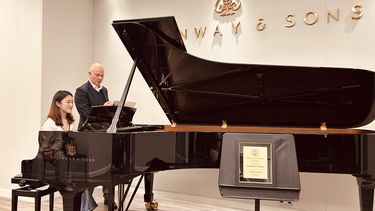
<point>151,206</point>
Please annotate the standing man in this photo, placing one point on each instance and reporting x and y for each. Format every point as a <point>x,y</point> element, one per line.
<point>93,93</point>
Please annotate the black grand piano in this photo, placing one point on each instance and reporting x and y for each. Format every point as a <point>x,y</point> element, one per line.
<point>204,100</point>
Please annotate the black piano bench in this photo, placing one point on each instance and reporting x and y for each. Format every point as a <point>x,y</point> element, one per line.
<point>27,191</point>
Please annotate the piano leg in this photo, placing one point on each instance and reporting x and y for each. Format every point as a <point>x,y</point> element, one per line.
<point>149,184</point>
<point>366,194</point>
<point>111,197</point>
<point>71,201</point>
<point>149,195</point>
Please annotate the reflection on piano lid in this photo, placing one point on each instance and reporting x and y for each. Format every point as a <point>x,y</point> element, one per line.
<point>100,118</point>
<point>195,91</point>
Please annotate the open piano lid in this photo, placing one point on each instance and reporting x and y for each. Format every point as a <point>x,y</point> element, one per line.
<point>192,90</point>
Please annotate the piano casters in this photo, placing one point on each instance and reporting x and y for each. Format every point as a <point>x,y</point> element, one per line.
<point>366,193</point>
<point>153,205</point>
<point>150,204</point>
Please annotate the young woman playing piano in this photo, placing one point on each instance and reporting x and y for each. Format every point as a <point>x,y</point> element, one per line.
<point>60,118</point>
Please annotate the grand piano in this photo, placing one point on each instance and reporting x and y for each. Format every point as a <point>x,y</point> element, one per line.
<point>204,100</point>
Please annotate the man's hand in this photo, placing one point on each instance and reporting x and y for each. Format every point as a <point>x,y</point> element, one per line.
<point>108,103</point>
<point>48,155</point>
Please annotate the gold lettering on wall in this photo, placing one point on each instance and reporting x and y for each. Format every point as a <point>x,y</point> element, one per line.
<point>200,32</point>
<point>218,31</point>
<point>261,25</point>
<point>314,18</point>
<point>235,27</point>
<point>356,9</point>
<point>289,21</point>
<point>335,16</point>
<point>184,35</point>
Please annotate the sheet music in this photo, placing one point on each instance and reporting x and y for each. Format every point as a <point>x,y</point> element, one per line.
<point>127,103</point>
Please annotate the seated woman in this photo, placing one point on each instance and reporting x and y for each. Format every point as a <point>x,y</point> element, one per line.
<point>60,118</point>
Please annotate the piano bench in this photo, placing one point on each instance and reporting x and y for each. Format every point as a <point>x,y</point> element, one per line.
<point>27,191</point>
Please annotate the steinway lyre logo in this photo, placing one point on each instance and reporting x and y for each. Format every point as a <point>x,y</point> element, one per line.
<point>227,7</point>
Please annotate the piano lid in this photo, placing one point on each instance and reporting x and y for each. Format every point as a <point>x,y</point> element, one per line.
<point>193,90</point>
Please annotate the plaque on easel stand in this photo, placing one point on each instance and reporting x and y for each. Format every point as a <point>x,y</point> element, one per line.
<point>265,167</point>
<point>255,163</point>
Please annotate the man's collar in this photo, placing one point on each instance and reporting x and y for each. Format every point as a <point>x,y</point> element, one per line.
<point>95,87</point>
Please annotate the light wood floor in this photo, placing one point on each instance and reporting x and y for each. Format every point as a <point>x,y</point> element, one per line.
<point>165,204</point>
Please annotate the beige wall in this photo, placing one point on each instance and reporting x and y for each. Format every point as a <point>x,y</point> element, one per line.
<point>48,46</point>
<point>67,47</point>
<point>21,69</point>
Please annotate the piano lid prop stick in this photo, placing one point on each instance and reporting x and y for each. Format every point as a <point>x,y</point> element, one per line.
<point>113,127</point>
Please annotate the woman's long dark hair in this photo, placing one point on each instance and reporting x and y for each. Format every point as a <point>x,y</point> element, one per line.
<point>54,111</point>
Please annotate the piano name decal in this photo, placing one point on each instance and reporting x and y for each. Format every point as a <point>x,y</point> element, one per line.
<point>75,159</point>
<point>309,19</point>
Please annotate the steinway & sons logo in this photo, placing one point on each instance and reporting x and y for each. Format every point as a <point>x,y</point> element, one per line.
<point>227,8</point>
